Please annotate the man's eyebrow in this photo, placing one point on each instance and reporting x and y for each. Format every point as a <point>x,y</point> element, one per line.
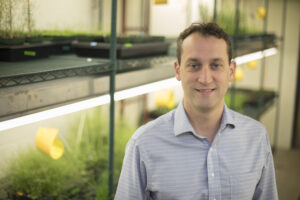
<point>193,60</point>
<point>212,60</point>
<point>217,59</point>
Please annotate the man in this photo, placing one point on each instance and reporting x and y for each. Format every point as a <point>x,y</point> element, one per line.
<point>201,150</point>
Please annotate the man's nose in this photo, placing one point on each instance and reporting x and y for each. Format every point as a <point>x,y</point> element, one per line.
<point>205,75</point>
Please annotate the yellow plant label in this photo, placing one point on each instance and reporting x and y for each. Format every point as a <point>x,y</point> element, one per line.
<point>47,142</point>
<point>239,74</point>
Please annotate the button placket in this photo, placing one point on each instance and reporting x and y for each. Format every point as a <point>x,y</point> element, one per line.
<point>212,171</point>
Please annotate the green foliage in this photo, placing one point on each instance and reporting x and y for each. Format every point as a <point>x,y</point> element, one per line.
<point>14,17</point>
<point>81,173</point>
<point>226,19</point>
<point>239,100</point>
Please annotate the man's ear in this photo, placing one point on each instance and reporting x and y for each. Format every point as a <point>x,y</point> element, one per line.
<point>177,70</point>
<point>232,68</point>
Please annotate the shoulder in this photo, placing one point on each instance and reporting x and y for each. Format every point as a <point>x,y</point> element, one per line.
<point>248,132</point>
<point>247,125</point>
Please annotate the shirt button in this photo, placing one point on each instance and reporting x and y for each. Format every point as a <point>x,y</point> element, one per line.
<point>212,174</point>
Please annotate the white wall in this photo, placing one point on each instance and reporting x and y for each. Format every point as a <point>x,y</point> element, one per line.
<point>69,14</point>
<point>168,19</point>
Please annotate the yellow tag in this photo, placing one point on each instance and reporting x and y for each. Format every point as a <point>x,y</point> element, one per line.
<point>160,1</point>
<point>47,142</point>
<point>57,149</point>
<point>261,13</point>
<point>239,74</point>
<point>164,98</point>
<point>252,64</point>
<point>29,53</point>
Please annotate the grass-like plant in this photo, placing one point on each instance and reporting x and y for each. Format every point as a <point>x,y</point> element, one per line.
<point>36,175</point>
<point>226,19</point>
<point>81,173</point>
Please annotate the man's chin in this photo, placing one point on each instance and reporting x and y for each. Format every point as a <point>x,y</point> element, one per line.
<point>204,107</point>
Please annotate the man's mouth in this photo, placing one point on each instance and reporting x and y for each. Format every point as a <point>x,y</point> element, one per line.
<point>205,90</point>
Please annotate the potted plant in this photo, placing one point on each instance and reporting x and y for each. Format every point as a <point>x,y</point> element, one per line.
<point>8,36</point>
<point>61,40</point>
<point>15,43</point>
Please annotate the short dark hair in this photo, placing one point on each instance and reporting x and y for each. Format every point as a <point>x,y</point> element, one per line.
<point>205,29</point>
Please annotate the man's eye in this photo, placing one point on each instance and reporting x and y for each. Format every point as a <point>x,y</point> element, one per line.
<point>193,66</point>
<point>215,66</point>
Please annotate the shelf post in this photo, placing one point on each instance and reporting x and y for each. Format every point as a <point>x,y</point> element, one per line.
<point>277,115</point>
<point>236,32</point>
<point>215,12</point>
<point>263,62</point>
<point>113,65</point>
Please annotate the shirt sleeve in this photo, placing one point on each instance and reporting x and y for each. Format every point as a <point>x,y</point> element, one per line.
<point>266,188</point>
<point>133,179</point>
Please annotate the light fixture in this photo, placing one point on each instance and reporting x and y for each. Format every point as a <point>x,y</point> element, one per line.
<point>90,103</point>
<point>119,95</point>
<point>255,56</point>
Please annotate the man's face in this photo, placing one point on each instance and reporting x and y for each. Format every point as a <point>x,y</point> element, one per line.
<point>204,71</point>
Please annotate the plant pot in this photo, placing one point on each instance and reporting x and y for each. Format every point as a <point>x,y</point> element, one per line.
<point>34,39</point>
<point>245,44</point>
<point>89,38</point>
<point>60,44</point>
<point>59,48</point>
<point>136,39</point>
<point>59,38</point>
<point>24,52</point>
<point>12,41</point>
<point>124,51</point>
<point>247,101</point>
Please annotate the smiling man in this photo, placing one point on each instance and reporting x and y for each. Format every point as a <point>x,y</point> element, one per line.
<point>202,150</point>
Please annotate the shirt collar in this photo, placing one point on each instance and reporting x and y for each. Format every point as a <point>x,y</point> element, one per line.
<point>183,125</point>
<point>181,121</point>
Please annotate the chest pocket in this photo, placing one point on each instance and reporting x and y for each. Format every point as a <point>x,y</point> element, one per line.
<point>242,186</point>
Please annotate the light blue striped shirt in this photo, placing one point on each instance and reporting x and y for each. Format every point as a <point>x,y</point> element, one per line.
<point>166,160</point>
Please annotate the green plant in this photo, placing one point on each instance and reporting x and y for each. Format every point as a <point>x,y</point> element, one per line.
<point>226,19</point>
<point>29,17</point>
<point>16,19</point>
<point>81,173</point>
<point>239,100</point>
<point>35,175</point>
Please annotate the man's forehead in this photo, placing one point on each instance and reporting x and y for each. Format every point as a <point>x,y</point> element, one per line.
<point>207,44</point>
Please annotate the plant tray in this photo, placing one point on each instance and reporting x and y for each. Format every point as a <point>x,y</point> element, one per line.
<point>24,52</point>
<point>250,43</point>
<point>59,48</point>
<point>127,50</point>
<point>247,101</point>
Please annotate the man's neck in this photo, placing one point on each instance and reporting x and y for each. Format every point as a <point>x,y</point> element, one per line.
<point>205,122</point>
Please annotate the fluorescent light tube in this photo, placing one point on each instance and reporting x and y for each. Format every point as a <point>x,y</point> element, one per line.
<point>255,56</point>
<point>90,103</point>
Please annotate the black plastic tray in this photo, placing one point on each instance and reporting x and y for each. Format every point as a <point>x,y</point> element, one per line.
<point>101,50</point>
<point>61,48</point>
<point>24,52</point>
<point>244,44</point>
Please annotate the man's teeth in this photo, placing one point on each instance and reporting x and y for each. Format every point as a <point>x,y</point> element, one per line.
<point>206,90</point>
